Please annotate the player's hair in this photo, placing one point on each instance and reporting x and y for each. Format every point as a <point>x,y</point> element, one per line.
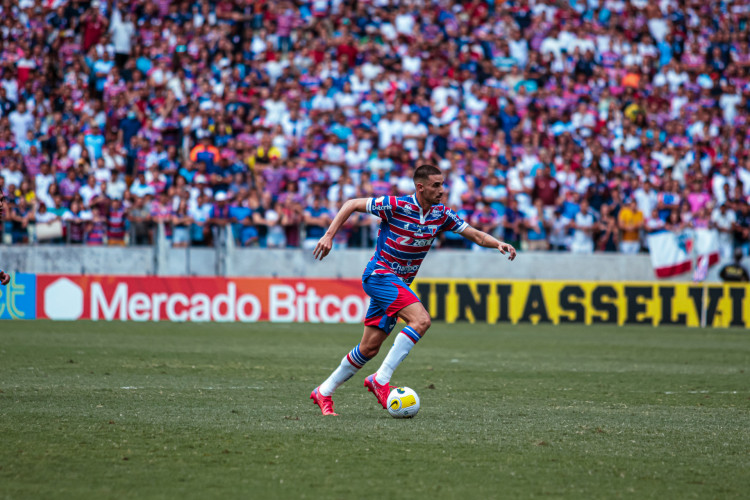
<point>423,173</point>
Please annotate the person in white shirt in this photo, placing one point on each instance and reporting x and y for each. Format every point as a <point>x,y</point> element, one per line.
<point>43,180</point>
<point>140,188</point>
<point>355,161</point>
<point>341,191</point>
<point>583,225</point>
<point>122,29</point>
<point>719,179</point>
<point>412,61</point>
<point>412,131</point>
<point>389,130</point>
<point>90,190</point>
<point>359,84</point>
<point>12,174</point>
<point>646,198</point>
<point>346,100</point>
<point>322,102</point>
<point>404,21</point>
<point>440,95</point>
<point>723,219</point>
<point>729,101</point>
<point>10,83</point>
<point>333,155</point>
<point>117,187</point>
<point>380,162</point>
<point>371,69</point>
<point>21,121</point>
<point>519,48</point>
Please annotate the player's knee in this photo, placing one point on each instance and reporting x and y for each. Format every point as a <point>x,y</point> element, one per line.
<point>422,323</point>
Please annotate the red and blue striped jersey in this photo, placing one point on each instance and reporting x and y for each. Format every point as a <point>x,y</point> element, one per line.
<point>406,234</point>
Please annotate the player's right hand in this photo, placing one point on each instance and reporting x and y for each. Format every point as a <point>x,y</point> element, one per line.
<point>4,278</point>
<point>323,247</point>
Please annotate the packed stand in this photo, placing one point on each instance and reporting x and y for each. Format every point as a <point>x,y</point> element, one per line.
<point>574,126</point>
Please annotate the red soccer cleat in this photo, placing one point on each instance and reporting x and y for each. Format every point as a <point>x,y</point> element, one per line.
<point>324,402</point>
<point>381,391</point>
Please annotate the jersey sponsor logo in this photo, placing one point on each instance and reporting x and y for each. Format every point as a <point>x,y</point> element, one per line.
<point>401,269</point>
<point>404,240</point>
<point>379,204</point>
<point>422,230</point>
<point>454,218</point>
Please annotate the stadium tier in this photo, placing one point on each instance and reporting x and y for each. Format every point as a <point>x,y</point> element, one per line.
<point>567,126</point>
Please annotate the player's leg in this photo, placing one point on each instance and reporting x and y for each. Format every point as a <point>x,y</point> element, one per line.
<point>398,300</point>
<point>417,322</point>
<point>376,323</point>
<point>388,294</point>
<point>355,359</point>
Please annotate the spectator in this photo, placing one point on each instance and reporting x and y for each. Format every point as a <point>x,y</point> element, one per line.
<point>200,213</point>
<point>536,226</point>
<point>96,227</point>
<point>735,272</point>
<point>116,223</point>
<point>243,224</point>
<point>75,220</point>
<point>316,218</point>
<point>46,225</point>
<point>141,223</point>
<point>630,223</point>
<point>219,218</point>
<point>583,225</point>
<point>608,237</point>
<point>181,222</point>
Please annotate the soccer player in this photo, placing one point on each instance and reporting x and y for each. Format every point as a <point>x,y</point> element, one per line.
<point>4,277</point>
<point>409,226</point>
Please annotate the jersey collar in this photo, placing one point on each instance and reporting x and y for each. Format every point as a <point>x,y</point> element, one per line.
<point>422,213</point>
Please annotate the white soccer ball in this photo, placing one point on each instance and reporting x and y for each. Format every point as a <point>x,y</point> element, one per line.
<point>403,402</point>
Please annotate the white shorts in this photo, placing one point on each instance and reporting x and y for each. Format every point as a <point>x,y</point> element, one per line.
<point>630,247</point>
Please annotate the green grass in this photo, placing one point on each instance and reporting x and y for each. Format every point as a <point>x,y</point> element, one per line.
<point>128,410</point>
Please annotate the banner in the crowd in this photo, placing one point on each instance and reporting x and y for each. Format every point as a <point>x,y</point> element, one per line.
<point>672,253</point>
<point>155,298</point>
<point>200,299</point>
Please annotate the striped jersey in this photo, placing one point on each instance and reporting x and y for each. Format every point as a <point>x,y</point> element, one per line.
<point>406,234</point>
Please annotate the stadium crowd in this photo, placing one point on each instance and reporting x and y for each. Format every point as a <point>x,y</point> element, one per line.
<point>574,125</point>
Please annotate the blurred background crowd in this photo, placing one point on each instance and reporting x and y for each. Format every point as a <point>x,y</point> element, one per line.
<point>576,125</point>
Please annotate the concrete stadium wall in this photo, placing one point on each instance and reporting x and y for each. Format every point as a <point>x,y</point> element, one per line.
<point>163,260</point>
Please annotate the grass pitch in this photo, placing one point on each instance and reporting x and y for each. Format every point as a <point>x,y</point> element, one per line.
<point>162,410</point>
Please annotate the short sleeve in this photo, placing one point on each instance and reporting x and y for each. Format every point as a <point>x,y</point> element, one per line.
<point>453,222</point>
<point>381,207</point>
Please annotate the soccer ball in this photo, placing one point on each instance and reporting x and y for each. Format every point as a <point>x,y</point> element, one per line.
<point>403,402</point>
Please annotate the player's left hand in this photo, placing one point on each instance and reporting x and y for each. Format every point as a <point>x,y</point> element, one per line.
<point>507,249</point>
<point>4,278</point>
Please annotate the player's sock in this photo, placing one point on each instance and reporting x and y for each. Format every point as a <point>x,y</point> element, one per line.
<point>350,364</point>
<point>405,340</point>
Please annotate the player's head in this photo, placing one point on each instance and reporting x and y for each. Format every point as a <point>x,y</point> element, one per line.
<point>428,180</point>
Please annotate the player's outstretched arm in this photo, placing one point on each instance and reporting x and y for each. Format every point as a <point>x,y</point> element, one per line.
<point>326,242</point>
<point>488,241</point>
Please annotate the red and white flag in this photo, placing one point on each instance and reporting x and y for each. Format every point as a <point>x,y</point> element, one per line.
<point>672,253</point>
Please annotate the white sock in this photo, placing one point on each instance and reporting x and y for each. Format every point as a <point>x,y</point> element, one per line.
<point>350,364</point>
<point>405,340</point>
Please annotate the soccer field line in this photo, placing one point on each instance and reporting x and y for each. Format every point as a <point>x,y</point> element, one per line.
<point>136,388</point>
<point>706,392</point>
